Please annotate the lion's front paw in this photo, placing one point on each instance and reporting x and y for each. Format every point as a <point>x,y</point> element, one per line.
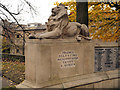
<point>39,36</point>
<point>31,36</point>
<point>78,38</point>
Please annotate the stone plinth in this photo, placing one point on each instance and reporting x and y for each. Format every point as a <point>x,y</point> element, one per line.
<point>56,63</point>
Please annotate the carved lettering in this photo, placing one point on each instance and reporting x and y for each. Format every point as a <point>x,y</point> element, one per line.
<point>67,59</point>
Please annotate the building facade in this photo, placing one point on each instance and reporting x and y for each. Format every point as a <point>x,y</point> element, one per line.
<point>21,35</point>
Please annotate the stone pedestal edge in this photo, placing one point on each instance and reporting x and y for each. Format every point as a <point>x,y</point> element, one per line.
<point>74,81</point>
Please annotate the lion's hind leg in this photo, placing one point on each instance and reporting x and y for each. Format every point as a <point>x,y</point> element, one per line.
<point>84,32</point>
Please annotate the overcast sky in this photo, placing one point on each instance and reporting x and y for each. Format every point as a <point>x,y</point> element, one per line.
<point>43,8</point>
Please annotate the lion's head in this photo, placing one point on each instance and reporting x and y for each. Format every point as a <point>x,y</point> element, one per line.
<point>59,10</point>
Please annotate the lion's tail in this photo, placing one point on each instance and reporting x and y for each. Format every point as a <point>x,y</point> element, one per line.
<point>78,24</point>
<point>85,30</point>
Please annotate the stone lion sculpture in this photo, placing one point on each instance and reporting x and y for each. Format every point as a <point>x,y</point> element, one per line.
<point>58,26</point>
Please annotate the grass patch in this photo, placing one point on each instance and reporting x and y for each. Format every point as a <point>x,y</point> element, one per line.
<point>14,71</point>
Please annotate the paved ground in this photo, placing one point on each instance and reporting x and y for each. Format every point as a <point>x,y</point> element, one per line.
<point>6,82</point>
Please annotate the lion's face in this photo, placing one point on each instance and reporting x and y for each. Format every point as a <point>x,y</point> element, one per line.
<point>58,9</point>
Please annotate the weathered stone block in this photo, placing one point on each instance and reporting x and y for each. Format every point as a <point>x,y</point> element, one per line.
<point>50,62</point>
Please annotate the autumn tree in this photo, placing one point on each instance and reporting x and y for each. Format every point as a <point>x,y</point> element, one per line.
<point>5,46</point>
<point>9,20</point>
<point>103,19</point>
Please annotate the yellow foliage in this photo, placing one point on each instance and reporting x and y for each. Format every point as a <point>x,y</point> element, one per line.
<point>105,20</point>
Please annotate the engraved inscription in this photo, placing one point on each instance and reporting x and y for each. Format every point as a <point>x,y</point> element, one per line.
<point>106,59</point>
<point>67,59</point>
<point>98,58</point>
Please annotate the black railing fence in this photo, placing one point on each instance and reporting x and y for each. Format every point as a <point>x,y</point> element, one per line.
<point>11,57</point>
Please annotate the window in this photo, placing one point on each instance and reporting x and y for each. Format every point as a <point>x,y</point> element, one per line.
<point>17,51</point>
<point>18,36</point>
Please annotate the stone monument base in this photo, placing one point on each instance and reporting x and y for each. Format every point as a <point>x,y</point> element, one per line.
<point>63,64</point>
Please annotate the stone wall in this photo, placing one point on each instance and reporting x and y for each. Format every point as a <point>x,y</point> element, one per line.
<point>114,83</point>
<point>107,56</point>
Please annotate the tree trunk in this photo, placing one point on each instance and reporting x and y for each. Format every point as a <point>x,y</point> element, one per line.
<point>82,12</point>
